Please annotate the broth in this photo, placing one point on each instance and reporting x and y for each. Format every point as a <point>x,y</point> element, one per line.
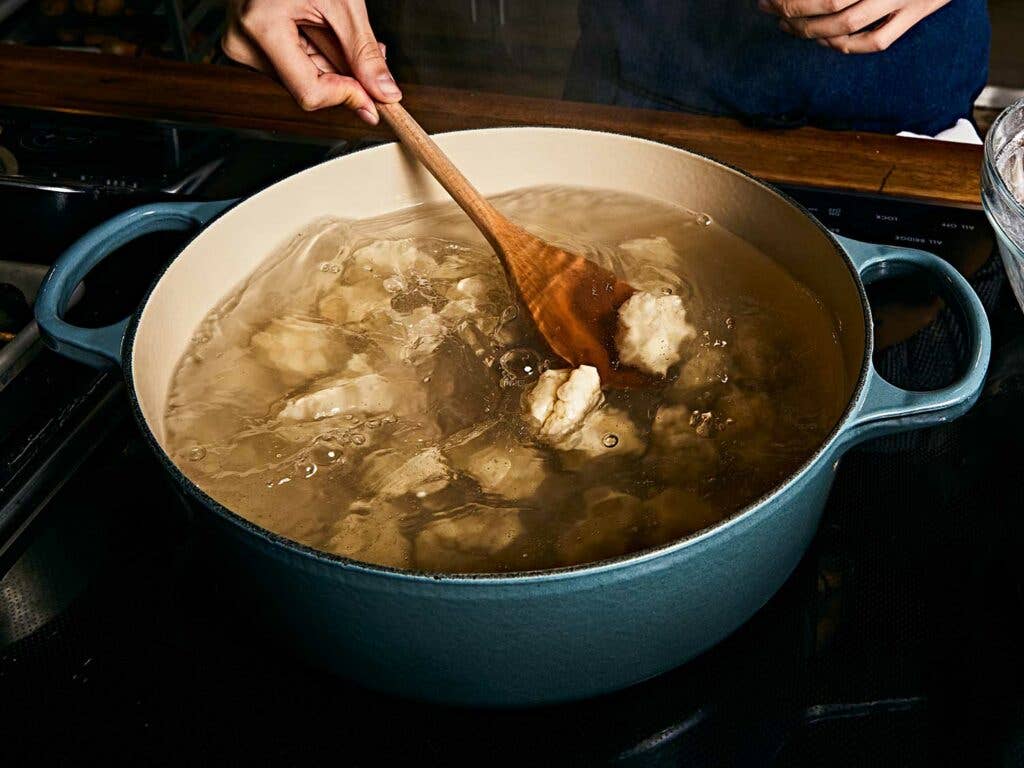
<point>363,392</point>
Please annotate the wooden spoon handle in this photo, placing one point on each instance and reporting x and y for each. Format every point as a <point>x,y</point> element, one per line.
<point>416,140</point>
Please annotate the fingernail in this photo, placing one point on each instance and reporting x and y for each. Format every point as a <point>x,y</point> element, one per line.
<point>368,116</point>
<point>784,26</point>
<point>383,50</point>
<point>387,85</point>
<point>763,5</point>
<point>823,42</point>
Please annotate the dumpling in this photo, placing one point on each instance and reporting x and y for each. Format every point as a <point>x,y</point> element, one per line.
<point>676,512</point>
<point>368,393</point>
<point>681,454</point>
<point>385,258</point>
<point>510,470</point>
<point>561,400</point>
<point>388,474</point>
<point>757,357</point>
<point>370,532</point>
<point>708,366</point>
<point>492,454</point>
<point>299,347</point>
<point>651,330</point>
<point>352,303</point>
<point>742,412</point>
<point>656,266</point>
<point>606,432</point>
<point>471,538</point>
<point>609,526</point>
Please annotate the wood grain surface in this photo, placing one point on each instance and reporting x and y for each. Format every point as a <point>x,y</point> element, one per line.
<point>235,98</point>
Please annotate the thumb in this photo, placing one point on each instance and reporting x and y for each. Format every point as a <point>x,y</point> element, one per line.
<point>370,69</point>
<point>363,52</point>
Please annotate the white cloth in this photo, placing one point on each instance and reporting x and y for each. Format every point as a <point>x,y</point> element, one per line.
<point>962,133</point>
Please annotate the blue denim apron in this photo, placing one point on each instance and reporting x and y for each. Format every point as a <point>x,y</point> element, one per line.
<point>725,57</point>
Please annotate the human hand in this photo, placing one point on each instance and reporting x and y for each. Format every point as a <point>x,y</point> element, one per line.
<point>324,51</point>
<point>850,26</point>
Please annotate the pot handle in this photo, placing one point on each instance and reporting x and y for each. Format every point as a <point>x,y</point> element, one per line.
<point>887,408</point>
<point>101,347</point>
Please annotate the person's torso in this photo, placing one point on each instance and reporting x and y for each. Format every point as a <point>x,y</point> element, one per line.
<point>727,57</point>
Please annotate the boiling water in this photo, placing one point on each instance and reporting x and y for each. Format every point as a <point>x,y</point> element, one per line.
<point>363,391</point>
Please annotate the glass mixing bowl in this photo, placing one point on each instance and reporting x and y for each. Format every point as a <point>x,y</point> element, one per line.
<point>1003,165</point>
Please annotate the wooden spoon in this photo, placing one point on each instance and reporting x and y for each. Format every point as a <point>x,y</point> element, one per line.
<point>573,301</point>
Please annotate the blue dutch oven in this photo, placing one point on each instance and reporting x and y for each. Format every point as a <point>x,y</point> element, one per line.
<point>535,637</point>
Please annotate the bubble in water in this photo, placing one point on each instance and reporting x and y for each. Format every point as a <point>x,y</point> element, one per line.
<point>358,439</point>
<point>328,266</point>
<point>200,339</point>
<point>509,313</point>
<point>704,220</point>
<point>610,440</point>
<point>197,454</point>
<point>730,323</point>
<point>520,365</point>
<point>311,470</point>
<point>372,423</point>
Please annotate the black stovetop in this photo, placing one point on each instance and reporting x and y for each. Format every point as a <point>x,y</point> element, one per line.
<point>894,643</point>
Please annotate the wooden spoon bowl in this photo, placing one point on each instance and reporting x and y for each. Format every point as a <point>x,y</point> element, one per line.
<point>573,301</point>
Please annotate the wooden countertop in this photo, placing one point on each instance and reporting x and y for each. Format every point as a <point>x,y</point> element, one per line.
<point>235,98</point>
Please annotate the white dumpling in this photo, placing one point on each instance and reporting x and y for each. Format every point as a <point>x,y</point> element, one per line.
<point>370,532</point>
<point>651,330</point>
<point>388,474</point>
<point>561,400</point>
<point>745,412</point>
<point>708,366</point>
<point>371,275</point>
<point>468,539</point>
<point>354,302</point>
<point>492,455</point>
<point>384,258</point>
<point>509,470</point>
<point>606,432</point>
<point>610,522</point>
<point>369,393</point>
<point>656,266</point>
<point>424,332</point>
<point>681,453</point>
<point>299,347</point>
<point>676,512</point>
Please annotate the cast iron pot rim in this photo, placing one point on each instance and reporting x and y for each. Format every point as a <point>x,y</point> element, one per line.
<point>514,577</point>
